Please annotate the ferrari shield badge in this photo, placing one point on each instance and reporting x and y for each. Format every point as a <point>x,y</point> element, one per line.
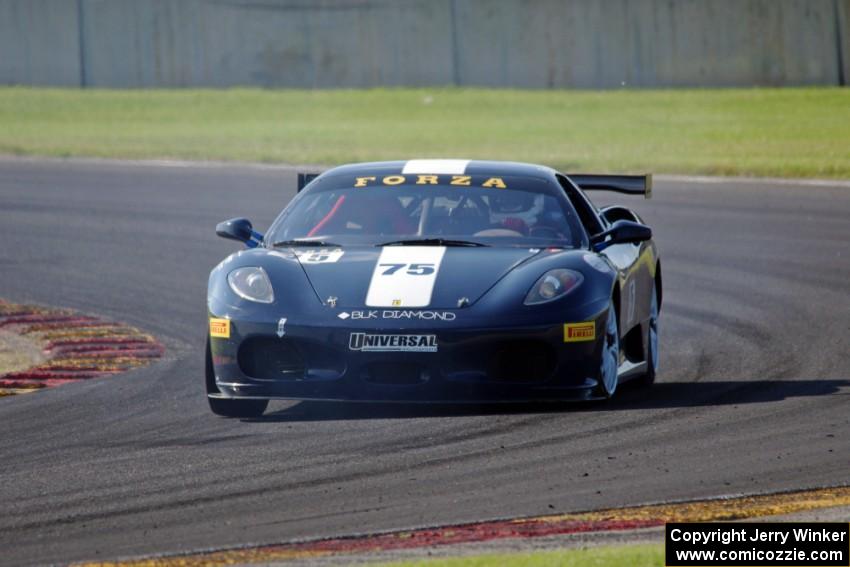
<point>281,327</point>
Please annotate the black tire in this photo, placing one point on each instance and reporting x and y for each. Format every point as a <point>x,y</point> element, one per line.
<point>229,407</point>
<point>237,408</point>
<point>648,377</point>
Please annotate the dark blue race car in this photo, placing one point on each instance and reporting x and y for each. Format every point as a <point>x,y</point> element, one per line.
<point>436,281</point>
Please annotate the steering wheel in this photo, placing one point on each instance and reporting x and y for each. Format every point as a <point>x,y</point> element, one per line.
<point>479,212</point>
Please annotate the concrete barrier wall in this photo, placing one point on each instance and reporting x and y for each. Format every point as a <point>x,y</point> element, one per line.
<point>609,43</point>
<point>358,43</point>
<point>39,42</point>
<point>270,43</point>
<point>842,25</point>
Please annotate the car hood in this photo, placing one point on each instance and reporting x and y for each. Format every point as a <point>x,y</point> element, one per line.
<point>413,277</point>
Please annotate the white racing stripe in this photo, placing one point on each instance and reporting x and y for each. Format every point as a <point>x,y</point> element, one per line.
<point>404,276</point>
<point>453,166</point>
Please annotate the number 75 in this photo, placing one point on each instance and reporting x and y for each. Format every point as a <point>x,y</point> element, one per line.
<point>412,269</point>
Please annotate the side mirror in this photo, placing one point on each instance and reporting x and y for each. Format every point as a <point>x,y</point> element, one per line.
<point>621,232</point>
<point>236,229</point>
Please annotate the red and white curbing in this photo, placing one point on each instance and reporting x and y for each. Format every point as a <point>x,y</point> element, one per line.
<point>76,347</point>
<point>610,520</point>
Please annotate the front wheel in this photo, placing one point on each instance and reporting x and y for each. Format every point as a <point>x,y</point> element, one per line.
<point>227,407</point>
<point>610,363</point>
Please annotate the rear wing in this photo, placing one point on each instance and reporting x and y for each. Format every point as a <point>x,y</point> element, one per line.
<point>628,184</point>
<point>305,178</point>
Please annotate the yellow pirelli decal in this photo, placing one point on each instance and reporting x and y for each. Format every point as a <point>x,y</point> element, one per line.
<point>220,328</point>
<point>578,332</point>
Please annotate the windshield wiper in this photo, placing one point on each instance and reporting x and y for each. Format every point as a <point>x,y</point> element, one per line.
<point>302,242</point>
<point>431,242</point>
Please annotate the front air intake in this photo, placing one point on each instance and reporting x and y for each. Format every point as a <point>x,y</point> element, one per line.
<point>266,358</point>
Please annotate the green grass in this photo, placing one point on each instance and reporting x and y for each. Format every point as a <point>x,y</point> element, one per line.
<point>776,132</point>
<point>614,556</point>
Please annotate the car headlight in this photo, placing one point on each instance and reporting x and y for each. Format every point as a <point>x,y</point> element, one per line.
<point>252,284</point>
<point>552,285</point>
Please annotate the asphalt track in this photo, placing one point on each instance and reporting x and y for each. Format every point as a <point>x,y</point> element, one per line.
<point>753,395</point>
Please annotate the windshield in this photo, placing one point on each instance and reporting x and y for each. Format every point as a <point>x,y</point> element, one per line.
<point>493,211</point>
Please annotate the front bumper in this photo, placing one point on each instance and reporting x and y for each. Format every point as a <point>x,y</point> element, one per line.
<point>471,364</point>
